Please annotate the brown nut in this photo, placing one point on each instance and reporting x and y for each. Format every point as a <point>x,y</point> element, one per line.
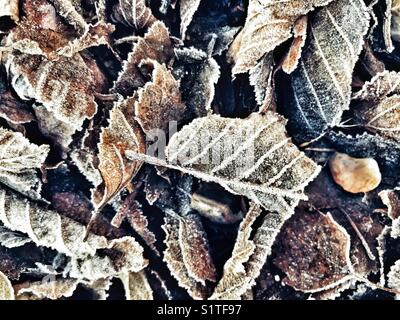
<point>353,174</point>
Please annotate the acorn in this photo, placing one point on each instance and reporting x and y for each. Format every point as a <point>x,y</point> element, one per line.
<point>355,175</point>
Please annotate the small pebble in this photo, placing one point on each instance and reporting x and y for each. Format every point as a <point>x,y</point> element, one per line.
<point>353,174</point>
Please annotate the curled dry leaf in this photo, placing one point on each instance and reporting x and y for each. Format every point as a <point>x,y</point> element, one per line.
<point>246,163</point>
<point>188,9</point>
<point>64,87</point>
<point>6,289</point>
<point>269,23</point>
<point>122,134</point>
<point>49,288</point>
<point>136,13</point>
<point>156,45</point>
<point>314,252</point>
<point>260,78</point>
<point>395,21</point>
<point>20,162</point>
<point>48,229</point>
<point>174,256</point>
<point>391,199</point>
<point>292,58</point>
<point>321,84</point>
<point>136,286</point>
<point>382,85</point>
<point>67,10</point>
<point>12,239</point>
<point>159,102</point>
<point>242,270</point>
<point>394,276</point>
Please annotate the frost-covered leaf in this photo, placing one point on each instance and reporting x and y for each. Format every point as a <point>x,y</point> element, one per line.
<point>260,78</point>
<point>314,252</point>
<point>384,84</point>
<point>198,74</point>
<point>64,88</point>
<point>9,10</point>
<point>293,56</point>
<point>49,229</point>
<point>136,286</point>
<point>173,256</point>
<point>235,280</point>
<point>395,19</point>
<point>321,84</point>
<point>269,23</point>
<point>391,199</point>
<point>394,276</point>
<point>188,9</point>
<point>12,239</point>
<point>195,249</point>
<point>6,289</point>
<point>49,288</point>
<point>159,102</point>
<point>20,162</point>
<point>122,134</point>
<point>155,45</point>
<point>132,211</point>
<point>383,117</point>
<point>67,9</point>
<point>136,13</point>
<point>257,161</point>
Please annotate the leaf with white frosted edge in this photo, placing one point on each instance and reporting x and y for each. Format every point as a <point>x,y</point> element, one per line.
<point>195,249</point>
<point>9,9</point>
<point>12,239</point>
<point>260,77</point>
<point>382,85</point>
<point>136,13</point>
<point>292,58</point>
<point>257,161</point>
<point>188,9</point>
<point>321,84</point>
<point>159,102</point>
<point>6,289</point>
<point>20,162</point>
<point>269,23</point>
<point>67,10</point>
<point>136,286</point>
<point>64,87</point>
<point>49,288</point>
<point>198,74</point>
<point>173,256</point>
<point>235,280</point>
<point>394,276</point>
<point>382,117</point>
<point>155,45</point>
<point>49,229</point>
<point>122,134</point>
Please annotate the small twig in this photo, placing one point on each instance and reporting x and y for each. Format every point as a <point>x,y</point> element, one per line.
<point>360,236</point>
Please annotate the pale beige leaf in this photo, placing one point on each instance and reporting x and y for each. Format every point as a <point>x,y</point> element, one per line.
<point>159,101</point>
<point>49,229</point>
<point>20,162</point>
<point>49,288</point>
<point>257,161</point>
<point>122,134</point>
<point>6,289</point>
<point>269,23</point>
<point>155,45</point>
<point>188,9</point>
<point>136,286</point>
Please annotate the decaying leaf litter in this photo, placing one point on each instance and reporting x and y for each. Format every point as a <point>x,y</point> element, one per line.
<point>199,149</point>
